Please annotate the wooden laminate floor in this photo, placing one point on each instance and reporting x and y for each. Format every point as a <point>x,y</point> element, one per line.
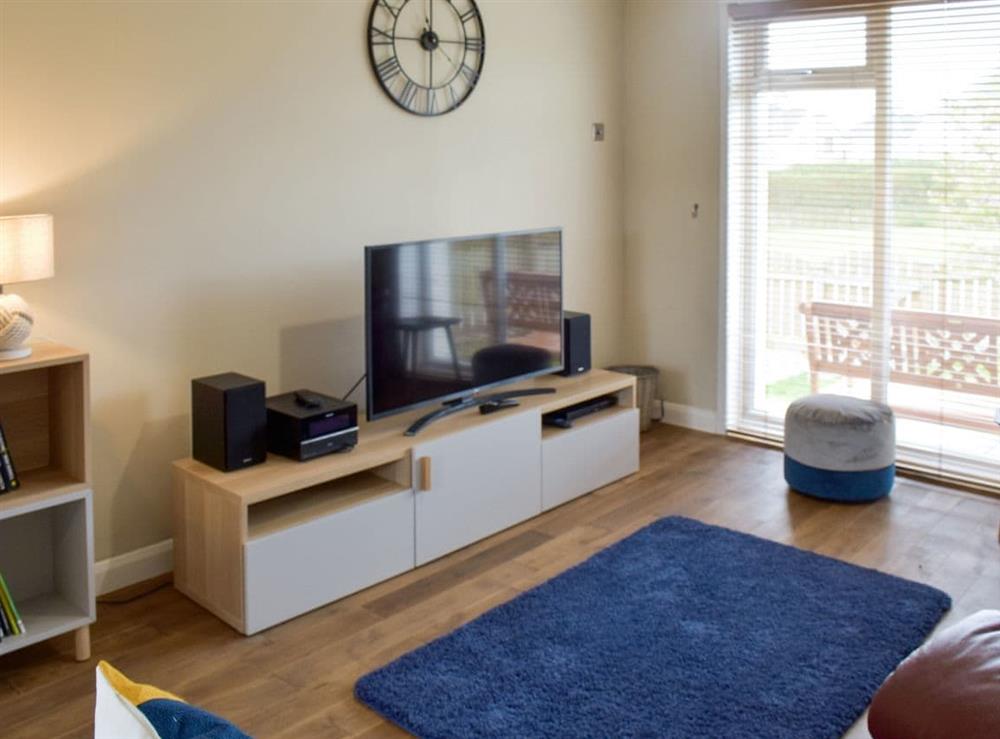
<point>295,680</point>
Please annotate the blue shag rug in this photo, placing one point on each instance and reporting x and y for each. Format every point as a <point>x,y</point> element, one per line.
<point>681,630</point>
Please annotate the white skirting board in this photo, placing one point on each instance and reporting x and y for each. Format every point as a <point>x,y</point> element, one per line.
<point>699,419</point>
<point>140,564</point>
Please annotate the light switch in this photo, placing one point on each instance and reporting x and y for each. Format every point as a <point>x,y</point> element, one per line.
<point>598,132</point>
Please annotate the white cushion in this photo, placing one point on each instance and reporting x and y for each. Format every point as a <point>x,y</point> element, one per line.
<point>115,717</point>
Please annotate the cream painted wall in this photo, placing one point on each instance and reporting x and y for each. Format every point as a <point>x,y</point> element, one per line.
<point>672,161</point>
<point>215,168</point>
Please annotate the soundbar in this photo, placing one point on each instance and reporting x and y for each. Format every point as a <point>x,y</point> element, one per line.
<point>564,417</point>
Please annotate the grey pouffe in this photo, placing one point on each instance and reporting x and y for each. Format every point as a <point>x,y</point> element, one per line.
<point>840,448</point>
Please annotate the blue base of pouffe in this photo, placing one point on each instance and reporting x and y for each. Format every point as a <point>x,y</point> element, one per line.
<point>852,487</point>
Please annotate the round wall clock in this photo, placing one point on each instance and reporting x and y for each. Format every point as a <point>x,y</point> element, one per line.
<point>427,54</point>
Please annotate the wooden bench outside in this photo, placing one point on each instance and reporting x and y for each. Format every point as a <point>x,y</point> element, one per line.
<point>959,354</point>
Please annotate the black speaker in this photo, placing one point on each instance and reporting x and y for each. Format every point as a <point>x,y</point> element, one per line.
<point>228,421</point>
<point>576,343</point>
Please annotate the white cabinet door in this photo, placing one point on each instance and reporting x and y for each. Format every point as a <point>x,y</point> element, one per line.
<point>482,480</point>
<point>598,450</point>
<point>304,567</point>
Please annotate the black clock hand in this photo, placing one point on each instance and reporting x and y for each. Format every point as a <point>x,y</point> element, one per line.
<point>446,56</point>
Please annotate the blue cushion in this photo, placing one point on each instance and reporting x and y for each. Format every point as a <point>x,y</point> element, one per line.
<point>125,709</point>
<point>860,486</point>
<point>176,720</point>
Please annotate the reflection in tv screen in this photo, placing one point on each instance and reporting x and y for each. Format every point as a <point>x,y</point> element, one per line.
<point>450,316</point>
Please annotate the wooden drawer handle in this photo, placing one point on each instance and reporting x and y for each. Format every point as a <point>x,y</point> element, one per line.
<point>425,473</point>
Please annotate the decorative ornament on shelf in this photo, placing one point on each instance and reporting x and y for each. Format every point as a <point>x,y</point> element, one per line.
<point>26,253</point>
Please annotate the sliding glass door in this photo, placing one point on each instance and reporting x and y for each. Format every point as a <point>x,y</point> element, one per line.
<point>863,229</point>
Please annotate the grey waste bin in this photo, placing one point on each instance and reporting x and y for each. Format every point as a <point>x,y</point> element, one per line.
<point>646,379</point>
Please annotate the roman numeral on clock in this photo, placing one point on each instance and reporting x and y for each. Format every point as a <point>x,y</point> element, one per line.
<point>467,15</point>
<point>474,44</point>
<point>388,6</point>
<point>380,38</point>
<point>468,72</point>
<point>388,68</point>
<point>409,92</point>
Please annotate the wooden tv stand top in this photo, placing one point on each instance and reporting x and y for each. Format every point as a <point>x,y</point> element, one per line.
<point>383,443</point>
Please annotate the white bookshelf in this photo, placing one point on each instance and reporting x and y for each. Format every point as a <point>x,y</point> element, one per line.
<point>46,526</point>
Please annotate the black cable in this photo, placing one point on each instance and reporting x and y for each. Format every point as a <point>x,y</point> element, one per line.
<point>134,592</point>
<point>355,386</point>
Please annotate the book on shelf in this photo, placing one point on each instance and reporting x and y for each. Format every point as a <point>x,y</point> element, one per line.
<point>11,623</point>
<point>8,476</point>
<point>6,629</point>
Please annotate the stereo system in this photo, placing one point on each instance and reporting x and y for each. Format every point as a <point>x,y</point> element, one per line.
<point>304,425</point>
<point>228,421</point>
<point>576,343</point>
<point>233,424</point>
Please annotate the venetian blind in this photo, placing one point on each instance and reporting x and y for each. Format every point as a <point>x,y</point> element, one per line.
<point>863,227</point>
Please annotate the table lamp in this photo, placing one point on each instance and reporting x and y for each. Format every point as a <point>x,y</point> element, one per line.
<point>25,255</point>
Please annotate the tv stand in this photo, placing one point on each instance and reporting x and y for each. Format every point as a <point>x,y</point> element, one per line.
<point>457,406</point>
<point>267,543</point>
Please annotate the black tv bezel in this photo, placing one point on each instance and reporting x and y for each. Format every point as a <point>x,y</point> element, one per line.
<point>369,394</point>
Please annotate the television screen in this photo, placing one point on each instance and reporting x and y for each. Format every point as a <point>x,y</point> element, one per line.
<point>450,316</point>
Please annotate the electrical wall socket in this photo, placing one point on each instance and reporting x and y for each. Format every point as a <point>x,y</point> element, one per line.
<point>598,132</point>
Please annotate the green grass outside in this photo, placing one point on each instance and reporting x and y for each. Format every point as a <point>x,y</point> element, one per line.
<point>926,193</point>
<point>794,387</point>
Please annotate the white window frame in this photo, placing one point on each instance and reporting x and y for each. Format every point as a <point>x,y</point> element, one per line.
<point>931,464</point>
<point>875,75</point>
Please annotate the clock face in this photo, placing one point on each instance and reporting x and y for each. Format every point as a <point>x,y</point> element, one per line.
<point>427,54</point>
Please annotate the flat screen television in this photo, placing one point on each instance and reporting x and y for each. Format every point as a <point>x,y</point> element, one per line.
<point>447,318</point>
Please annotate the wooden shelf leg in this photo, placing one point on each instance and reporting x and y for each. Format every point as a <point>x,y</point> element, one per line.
<point>82,643</point>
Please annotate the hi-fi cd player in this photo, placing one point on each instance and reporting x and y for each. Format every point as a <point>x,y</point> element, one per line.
<point>304,425</point>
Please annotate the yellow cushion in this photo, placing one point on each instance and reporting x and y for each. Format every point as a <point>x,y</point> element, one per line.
<point>134,693</point>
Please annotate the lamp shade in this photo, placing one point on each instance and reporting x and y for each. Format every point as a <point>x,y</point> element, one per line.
<point>26,251</point>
